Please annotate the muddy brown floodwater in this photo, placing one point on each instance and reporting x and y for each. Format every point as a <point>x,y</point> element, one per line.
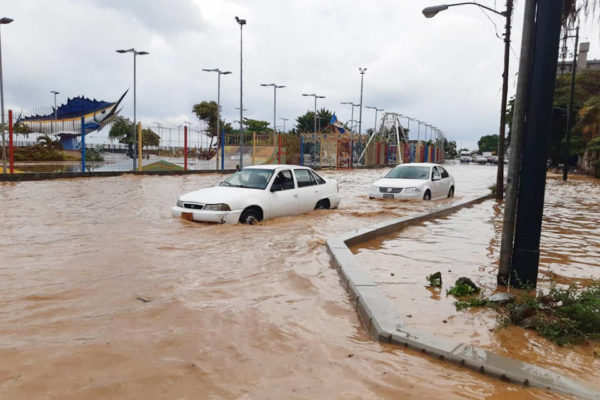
<point>104,295</point>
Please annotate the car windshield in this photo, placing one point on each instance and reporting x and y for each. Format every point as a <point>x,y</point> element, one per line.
<point>409,172</point>
<point>250,178</point>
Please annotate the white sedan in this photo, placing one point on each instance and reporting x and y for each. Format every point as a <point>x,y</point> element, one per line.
<point>414,181</point>
<point>258,193</point>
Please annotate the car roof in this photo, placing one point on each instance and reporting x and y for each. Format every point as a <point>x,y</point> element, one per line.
<point>274,166</point>
<point>421,164</point>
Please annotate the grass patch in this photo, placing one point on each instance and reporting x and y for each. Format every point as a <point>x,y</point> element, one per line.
<point>563,315</point>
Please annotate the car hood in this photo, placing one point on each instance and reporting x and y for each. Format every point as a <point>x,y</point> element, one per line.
<point>219,194</point>
<point>399,183</point>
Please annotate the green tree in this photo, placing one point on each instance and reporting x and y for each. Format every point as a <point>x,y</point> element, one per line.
<point>49,143</point>
<point>488,143</point>
<point>150,138</point>
<point>305,122</point>
<point>122,130</point>
<point>207,112</point>
<point>450,148</point>
<point>255,125</point>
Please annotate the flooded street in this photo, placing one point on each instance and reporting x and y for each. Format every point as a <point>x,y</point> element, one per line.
<point>104,295</point>
<point>467,243</point>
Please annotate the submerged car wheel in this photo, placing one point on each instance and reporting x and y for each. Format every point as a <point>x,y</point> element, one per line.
<point>322,204</point>
<point>427,195</point>
<point>451,192</point>
<point>250,216</point>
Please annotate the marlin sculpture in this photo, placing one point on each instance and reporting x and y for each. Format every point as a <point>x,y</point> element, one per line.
<point>66,122</point>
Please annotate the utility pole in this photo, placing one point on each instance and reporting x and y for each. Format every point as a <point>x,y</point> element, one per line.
<point>516,143</point>
<point>526,252</point>
<point>570,108</point>
<point>500,172</point>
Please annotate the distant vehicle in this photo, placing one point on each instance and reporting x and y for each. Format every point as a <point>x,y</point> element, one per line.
<point>414,181</point>
<point>480,159</point>
<point>492,159</point>
<point>465,158</point>
<point>258,193</point>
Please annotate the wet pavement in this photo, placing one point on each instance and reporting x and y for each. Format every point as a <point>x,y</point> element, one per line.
<point>104,295</point>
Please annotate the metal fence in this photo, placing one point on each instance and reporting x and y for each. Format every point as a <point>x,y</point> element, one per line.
<point>43,150</point>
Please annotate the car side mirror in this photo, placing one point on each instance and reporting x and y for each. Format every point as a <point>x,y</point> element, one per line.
<point>276,187</point>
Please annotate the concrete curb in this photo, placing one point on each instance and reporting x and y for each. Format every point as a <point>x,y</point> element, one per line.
<point>384,323</point>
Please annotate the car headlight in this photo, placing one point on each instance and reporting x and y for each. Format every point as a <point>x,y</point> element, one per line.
<point>374,189</point>
<point>179,203</point>
<point>411,190</point>
<point>217,207</point>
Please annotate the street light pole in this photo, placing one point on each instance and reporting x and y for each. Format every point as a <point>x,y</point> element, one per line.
<point>55,93</point>
<point>429,12</point>
<point>284,119</point>
<point>219,73</point>
<point>362,75</point>
<point>135,54</point>
<point>4,20</point>
<point>275,87</point>
<point>315,122</point>
<point>241,22</point>
<point>351,114</point>
<point>376,109</point>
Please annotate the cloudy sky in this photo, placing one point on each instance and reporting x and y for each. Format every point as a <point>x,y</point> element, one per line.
<point>445,70</point>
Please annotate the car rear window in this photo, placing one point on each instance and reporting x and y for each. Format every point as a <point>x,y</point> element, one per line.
<point>304,178</point>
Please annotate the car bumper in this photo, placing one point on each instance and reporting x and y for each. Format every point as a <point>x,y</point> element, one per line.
<point>397,196</point>
<point>218,217</point>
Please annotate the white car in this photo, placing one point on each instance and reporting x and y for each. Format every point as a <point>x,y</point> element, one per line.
<point>414,181</point>
<point>258,193</point>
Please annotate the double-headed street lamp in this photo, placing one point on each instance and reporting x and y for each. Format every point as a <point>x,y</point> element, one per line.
<point>315,122</point>
<point>352,114</point>
<point>241,23</point>
<point>54,92</point>
<point>4,20</point>
<point>135,54</point>
<point>275,87</point>
<point>362,75</point>
<point>376,110</point>
<point>432,11</point>
<point>219,73</point>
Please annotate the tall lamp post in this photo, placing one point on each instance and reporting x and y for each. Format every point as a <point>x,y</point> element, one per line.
<point>376,110</point>
<point>283,119</point>
<point>315,123</point>
<point>351,114</point>
<point>429,12</point>
<point>219,73</point>
<point>362,76</point>
<point>54,92</point>
<point>241,23</point>
<point>275,87</point>
<point>135,54</point>
<point>4,20</point>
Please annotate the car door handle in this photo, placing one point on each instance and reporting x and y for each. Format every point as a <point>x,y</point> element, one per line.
<point>296,195</point>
